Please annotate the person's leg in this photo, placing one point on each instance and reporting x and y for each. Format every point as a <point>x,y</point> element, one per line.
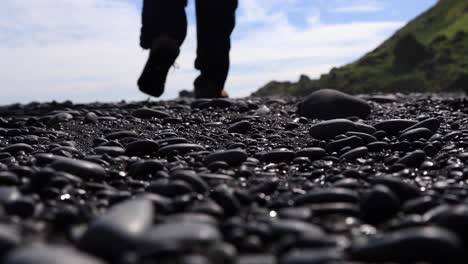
<point>215,23</point>
<point>164,28</point>
<point>163,18</point>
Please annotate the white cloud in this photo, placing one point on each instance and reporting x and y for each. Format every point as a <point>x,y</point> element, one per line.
<point>87,50</point>
<point>84,50</point>
<point>261,11</point>
<point>279,50</point>
<point>366,6</point>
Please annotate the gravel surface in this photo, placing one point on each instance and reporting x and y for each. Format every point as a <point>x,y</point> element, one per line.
<point>247,181</point>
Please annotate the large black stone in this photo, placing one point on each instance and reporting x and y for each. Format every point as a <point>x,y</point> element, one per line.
<point>393,126</point>
<point>9,239</point>
<point>142,148</point>
<point>41,254</point>
<point>419,244</point>
<point>232,157</point>
<point>330,104</point>
<point>180,235</point>
<point>179,149</point>
<point>119,230</point>
<point>81,168</point>
<point>331,128</point>
<point>147,113</point>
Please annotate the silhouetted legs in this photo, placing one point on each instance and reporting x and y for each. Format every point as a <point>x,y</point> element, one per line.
<point>215,23</point>
<point>163,18</point>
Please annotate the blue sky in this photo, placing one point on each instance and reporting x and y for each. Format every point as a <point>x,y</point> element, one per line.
<point>87,50</point>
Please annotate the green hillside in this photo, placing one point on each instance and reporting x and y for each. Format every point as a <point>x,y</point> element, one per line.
<point>429,54</point>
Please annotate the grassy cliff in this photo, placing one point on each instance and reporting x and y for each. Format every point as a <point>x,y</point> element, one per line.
<point>429,54</point>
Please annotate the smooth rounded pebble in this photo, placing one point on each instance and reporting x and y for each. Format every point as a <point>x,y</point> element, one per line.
<point>296,227</point>
<point>180,235</point>
<point>336,145</point>
<point>191,177</point>
<point>379,204</point>
<point>240,127</point>
<point>313,256</point>
<point>332,195</point>
<point>9,194</point>
<point>419,244</point>
<point>142,148</point>
<point>324,104</point>
<point>432,124</point>
<point>143,168</point>
<point>454,218</point>
<point>18,147</point>
<point>403,189</point>
<point>232,157</point>
<point>109,150</point>
<point>355,153</point>
<point>331,128</point>
<point>121,134</point>
<point>10,238</point>
<point>179,149</point>
<point>81,168</point>
<point>313,154</point>
<point>416,133</point>
<point>277,156</point>
<point>147,113</point>
<point>42,254</point>
<point>393,126</point>
<point>119,230</point>
<point>412,159</point>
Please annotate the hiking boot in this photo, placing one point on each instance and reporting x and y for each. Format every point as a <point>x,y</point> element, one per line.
<point>163,53</point>
<point>204,88</point>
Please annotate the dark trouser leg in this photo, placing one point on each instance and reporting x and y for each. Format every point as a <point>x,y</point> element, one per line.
<point>215,23</point>
<point>163,18</point>
<point>164,27</point>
